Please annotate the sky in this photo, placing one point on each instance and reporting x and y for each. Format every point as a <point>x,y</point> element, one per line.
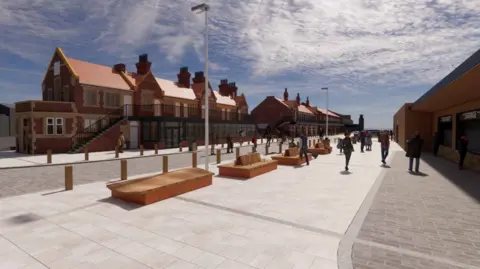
<point>373,55</point>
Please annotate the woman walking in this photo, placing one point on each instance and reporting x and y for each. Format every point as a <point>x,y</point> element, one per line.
<point>347,149</point>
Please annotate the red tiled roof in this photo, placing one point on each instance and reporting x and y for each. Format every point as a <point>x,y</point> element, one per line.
<point>97,75</point>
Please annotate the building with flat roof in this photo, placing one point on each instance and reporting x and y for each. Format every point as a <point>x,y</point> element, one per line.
<point>451,108</point>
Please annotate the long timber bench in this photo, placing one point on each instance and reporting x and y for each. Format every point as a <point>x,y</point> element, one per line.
<point>247,166</point>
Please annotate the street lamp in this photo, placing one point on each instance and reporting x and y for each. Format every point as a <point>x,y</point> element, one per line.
<point>326,123</point>
<point>204,8</point>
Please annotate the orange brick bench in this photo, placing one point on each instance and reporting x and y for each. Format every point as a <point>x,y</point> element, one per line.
<point>291,157</point>
<point>152,189</point>
<point>247,166</point>
<point>319,149</point>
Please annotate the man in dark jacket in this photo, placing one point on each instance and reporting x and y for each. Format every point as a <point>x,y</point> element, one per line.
<point>362,141</point>
<point>347,149</point>
<point>384,145</point>
<point>462,150</point>
<point>414,151</point>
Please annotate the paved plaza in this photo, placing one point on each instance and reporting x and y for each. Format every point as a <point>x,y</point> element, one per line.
<point>308,217</point>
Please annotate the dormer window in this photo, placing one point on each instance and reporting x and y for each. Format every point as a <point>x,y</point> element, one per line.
<point>56,68</point>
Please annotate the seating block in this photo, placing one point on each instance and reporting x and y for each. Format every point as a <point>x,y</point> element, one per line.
<point>319,151</point>
<point>152,189</point>
<point>291,160</point>
<point>247,171</point>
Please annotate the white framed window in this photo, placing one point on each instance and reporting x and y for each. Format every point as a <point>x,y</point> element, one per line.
<point>54,126</point>
<point>89,123</point>
<point>111,100</point>
<point>203,111</point>
<point>185,110</point>
<point>90,98</point>
<point>177,109</point>
<point>56,68</point>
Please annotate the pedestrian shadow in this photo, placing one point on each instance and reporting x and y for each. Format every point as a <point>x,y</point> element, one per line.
<point>345,173</point>
<point>385,166</point>
<point>418,174</point>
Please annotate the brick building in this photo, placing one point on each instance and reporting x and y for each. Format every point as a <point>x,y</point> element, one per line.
<point>88,105</point>
<point>451,108</point>
<point>293,116</point>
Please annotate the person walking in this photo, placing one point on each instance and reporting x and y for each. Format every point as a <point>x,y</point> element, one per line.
<point>347,149</point>
<point>436,143</point>
<point>229,144</point>
<point>368,141</point>
<point>254,142</point>
<point>462,150</point>
<point>304,147</point>
<point>384,145</point>
<point>414,151</point>
<point>121,142</point>
<point>362,141</point>
<point>340,145</point>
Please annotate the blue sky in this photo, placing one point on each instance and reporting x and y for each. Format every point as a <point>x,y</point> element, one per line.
<point>374,55</point>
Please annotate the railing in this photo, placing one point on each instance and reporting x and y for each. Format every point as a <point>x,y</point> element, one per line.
<point>87,133</point>
<point>181,111</point>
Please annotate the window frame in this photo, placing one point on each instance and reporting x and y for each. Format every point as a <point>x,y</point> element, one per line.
<point>111,100</point>
<point>87,93</point>
<point>54,123</point>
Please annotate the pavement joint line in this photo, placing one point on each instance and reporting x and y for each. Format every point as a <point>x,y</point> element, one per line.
<point>28,254</point>
<point>416,254</point>
<point>265,218</point>
<point>345,247</point>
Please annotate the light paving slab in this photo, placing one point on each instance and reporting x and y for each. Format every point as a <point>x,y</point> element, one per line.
<point>293,217</point>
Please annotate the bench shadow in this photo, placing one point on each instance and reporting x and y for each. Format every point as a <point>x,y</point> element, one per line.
<point>122,204</point>
<point>467,180</point>
<point>232,178</point>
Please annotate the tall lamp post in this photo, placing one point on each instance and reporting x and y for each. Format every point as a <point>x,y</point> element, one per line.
<point>204,8</point>
<point>326,123</point>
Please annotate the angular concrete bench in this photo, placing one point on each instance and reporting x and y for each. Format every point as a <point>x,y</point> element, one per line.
<point>291,156</point>
<point>152,189</point>
<point>247,166</point>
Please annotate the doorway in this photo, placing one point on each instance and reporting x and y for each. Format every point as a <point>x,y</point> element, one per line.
<point>172,137</point>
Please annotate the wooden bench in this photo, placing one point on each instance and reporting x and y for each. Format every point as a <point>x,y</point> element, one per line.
<point>291,156</point>
<point>152,189</point>
<point>319,149</point>
<point>247,166</point>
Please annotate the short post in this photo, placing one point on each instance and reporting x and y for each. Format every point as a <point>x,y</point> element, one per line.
<point>309,143</point>
<point>237,152</point>
<point>141,150</point>
<point>248,143</point>
<point>280,148</point>
<point>219,156</point>
<point>222,145</point>
<point>123,169</point>
<point>266,150</point>
<point>85,150</point>
<point>253,149</point>
<point>116,152</point>
<point>165,163</point>
<point>156,148</point>
<point>180,148</point>
<point>194,159</point>
<point>261,140</point>
<point>49,156</point>
<point>68,178</point>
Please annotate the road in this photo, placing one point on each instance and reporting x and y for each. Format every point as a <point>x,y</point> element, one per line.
<point>34,179</point>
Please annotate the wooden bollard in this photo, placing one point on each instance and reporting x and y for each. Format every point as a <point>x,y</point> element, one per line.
<point>309,143</point>
<point>123,170</point>
<point>68,178</point>
<point>156,148</point>
<point>194,159</point>
<point>280,148</point>
<point>222,145</point>
<point>116,152</point>
<point>219,159</point>
<point>266,150</point>
<point>237,152</point>
<point>165,163</point>
<point>141,150</point>
<point>248,143</point>
<point>49,156</point>
<point>180,148</point>
<point>86,154</point>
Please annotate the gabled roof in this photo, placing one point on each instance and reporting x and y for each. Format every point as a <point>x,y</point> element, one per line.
<point>224,100</point>
<point>324,111</point>
<point>171,89</point>
<point>281,101</point>
<point>304,109</point>
<point>59,52</point>
<point>97,75</point>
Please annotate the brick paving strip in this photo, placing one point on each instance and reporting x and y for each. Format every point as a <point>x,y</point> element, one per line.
<point>416,222</point>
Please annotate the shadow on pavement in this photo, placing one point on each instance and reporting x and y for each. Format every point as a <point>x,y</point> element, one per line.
<point>24,218</point>
<point>468,181</point>
<point>385,166</point>
<point>122,204</point>
<point>345,173</point>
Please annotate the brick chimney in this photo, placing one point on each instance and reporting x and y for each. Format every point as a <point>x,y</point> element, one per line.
<point>119,68</point>
<point>285,95</point>
<point>184,77</point>
<point>307,103</point>
<point>199,77</point>
<point>233,89</point>
<point>143,65</point>
<point>298,99</point>
<point>223,88</point>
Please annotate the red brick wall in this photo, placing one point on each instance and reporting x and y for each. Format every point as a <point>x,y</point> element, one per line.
<point>56,144</point>
<point>270,111</point>
<point>38,126</point>
<point>106,142</point>
<point>45,106</point>
<point>69,125</point>
<point>66,77</point>
<point>23,107</point>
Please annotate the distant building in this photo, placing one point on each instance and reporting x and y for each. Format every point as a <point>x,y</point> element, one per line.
<point>87,105</point>
<point>7,120</point>
<point>292,117</point>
